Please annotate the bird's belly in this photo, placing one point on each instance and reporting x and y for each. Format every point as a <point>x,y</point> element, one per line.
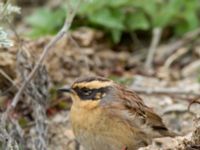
<point>97,142</point>
<point>111,141</point>
<point>92,130</point>
<point>96,131</point>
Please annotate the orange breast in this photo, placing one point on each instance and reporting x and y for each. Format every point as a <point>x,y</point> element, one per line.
<point>95,129</point>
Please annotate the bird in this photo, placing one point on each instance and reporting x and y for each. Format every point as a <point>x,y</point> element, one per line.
<point>107,116</point>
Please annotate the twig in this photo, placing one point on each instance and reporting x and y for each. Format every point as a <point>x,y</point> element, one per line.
<point>14,85</point>
<point>169,48</point>
<point>7,77</point>
<point>191,68</point>
<point>47,48</point>
<point>180,52</point>
<point>153,46</point>
<point>165,91</point>
<point>195,100</point>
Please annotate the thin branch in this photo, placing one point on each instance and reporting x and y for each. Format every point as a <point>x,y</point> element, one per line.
<point>165,91</point>
<point>157,32</point>
<point>14,85</point>
<point>7,77</point>
<point>47,48</point>
<point>193,101</point>
<point>180,52</point>
<point>169,48</point>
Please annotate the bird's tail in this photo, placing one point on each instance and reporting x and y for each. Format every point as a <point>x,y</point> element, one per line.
<point>164,132</point>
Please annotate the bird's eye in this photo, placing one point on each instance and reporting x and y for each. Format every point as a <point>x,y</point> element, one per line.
<point>87,92</point>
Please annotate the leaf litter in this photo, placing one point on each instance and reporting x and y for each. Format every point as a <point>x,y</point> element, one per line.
<point>86,51</point>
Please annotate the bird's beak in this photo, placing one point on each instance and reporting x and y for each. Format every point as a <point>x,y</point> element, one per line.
<point>66,89</point>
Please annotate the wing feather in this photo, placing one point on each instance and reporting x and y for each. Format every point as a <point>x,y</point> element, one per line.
<point>131,108</point>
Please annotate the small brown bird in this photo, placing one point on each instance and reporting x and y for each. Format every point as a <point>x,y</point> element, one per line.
<point>107,116</point>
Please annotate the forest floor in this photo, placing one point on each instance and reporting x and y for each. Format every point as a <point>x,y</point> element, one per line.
<point>169,88</point>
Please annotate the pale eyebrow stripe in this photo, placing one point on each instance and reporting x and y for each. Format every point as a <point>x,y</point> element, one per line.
<point>93,84</point>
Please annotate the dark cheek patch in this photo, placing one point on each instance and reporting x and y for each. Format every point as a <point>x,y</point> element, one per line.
<point>90,94</point>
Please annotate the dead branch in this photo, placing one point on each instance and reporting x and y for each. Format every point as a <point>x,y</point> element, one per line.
<point>37,91</point>
<point>191,68</point>
<point>6,76</point>
<point>169,48</point>
<point>8,140</point>
<point>157,32</point>
<point>180,52</point>
<point>47,48</point>
<point>165,91</point>
<point>194,101</point>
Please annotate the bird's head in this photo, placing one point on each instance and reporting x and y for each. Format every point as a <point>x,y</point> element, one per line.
<point>88,89</point>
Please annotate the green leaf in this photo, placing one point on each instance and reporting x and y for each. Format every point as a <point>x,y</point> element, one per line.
<point>118,16</point>
<point>137,21</point>
<point>192,20</point>
<point>41,18</point>
<point>149,7</point>
<point>45,21</point>
<point>188,17</point>
<point>112,19</point>
<point>167,12</point>
<point>38,32</point>
<point>182,28</point>
<point>93,6</point>
<point>116,35</point>
<point>118,3</point>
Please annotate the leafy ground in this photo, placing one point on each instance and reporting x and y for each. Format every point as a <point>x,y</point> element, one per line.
<point>87,52</point>
<point>169,88</point>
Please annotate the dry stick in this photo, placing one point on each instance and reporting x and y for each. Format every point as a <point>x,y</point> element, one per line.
<point>14,85</point>
<point>5,75</point>
<point>195,100</point>
<point>19,44</point>
<point>169,48</point>
<point>45,52</point>
<point>180,52</point>
<point>171,92</point>
<point>164,91</point>
<point>191,68</point>
<point>154,44</point>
